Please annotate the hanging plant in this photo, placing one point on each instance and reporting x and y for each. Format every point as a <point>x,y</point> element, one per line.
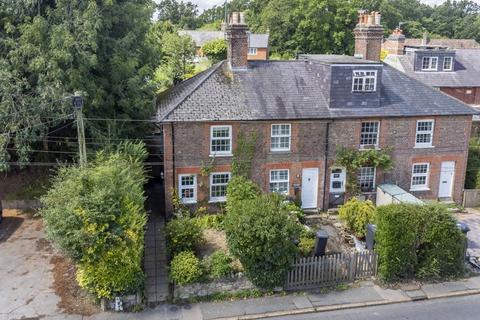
<point>353,159</point>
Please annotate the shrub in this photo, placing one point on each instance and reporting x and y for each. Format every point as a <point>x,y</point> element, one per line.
<point>421,241</point>
<point>210,221</point>
<point>219,265</point>
<point>215,50</point>
<point>183,234</point>
<point>472,179</point>
<point>396,240</point>
<point>96,216</point>
<point>241,188</point>
<point>357,214</point>
<point>260,233</point>
<point>294,209</point>
<point>306,246</point>
<point>185,268</point>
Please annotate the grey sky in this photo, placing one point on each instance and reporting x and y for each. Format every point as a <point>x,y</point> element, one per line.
<point>204,4</point>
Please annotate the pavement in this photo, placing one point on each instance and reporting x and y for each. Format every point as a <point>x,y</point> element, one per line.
<point>472,219</point>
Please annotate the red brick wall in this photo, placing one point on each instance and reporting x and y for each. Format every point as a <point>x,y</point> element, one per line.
<point>262,54</point>
<point>192,146</point>
<point>467,95</point>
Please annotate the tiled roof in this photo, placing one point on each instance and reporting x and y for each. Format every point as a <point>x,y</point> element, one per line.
<point>270,90</point>
<point>450,43</point>
<point>466,70</point>
<point>256,40</point>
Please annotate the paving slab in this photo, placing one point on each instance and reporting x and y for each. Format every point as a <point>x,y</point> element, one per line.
<point>440,289</point>
<point>354,295</point>
<point>416,295</point>
<point>391,294</point>
<point>473,283</point>
<point>302,302</point>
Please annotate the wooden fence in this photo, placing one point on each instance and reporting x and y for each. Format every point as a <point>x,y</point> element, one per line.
<point>312,272</point>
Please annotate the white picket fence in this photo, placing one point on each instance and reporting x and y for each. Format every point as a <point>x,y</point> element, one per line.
<point>312,272</point>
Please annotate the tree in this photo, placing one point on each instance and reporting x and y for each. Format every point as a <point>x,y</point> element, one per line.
<point>180,13</point>
<point>260,233</point>
<point>215,50</point>
<point>96,216</point>
<point>51,51</point>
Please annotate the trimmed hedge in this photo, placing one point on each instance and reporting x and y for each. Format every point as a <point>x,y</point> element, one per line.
<point>418,241</point>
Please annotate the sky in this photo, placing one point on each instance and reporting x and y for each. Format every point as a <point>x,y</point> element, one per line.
<point>205,4</point>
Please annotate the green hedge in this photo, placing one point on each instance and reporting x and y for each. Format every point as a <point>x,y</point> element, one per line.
<point>183,234</point>
<point>218,265</point>
<point>96,216</point>
<point>418,241</point>
<point>185,268</point>
<point>357,214</point>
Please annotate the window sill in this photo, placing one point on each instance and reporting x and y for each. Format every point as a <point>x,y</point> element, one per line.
<point>423,147</point>
<point>420,189</point>
<point>279,151</point>
<point>189,202</point>
<point>217,200</point>
<point>217,155</point>
<point>369,147</point>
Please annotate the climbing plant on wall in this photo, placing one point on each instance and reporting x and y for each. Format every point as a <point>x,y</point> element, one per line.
<point>243,154</point>
<point>353,159</point>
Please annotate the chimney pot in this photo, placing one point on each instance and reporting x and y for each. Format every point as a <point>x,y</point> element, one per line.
<point>237,37</point>
<point>368,35</point>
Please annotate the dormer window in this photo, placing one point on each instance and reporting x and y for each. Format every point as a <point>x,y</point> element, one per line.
<point>430,63</point>
<point>252,51</point>
<point>364,81</point>
<point>447,64</point>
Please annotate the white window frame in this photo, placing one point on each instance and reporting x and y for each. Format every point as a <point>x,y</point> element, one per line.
<point>373,182</point>
<point>431,66</point>
<point>221,153</point>
<point>451,63</point>
<point>362,146</point>
<point>272,182</point>
<point>361,85</point>
<point>430,132</point>
<point>222,198</point>
<point>419,187</point>
<point>279,136</point>
<point>181,187</point>
<point>252,51</point>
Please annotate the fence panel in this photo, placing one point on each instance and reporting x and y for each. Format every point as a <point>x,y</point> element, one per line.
<point>311,272</point>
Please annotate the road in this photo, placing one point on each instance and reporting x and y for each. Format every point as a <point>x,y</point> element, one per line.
<point>458,308</point>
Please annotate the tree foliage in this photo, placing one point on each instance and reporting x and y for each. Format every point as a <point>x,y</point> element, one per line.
<point>96,216</point>
<point>260,233</point>
<point>50,49</point>
<point>472,179</point>
<point>215,50</point>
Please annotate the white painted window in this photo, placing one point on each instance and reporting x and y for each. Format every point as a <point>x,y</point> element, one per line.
<point>187,188</point>
<point>420,172</point>
<point>424,133</point>
<point>252,51</point>
<point>280,137</point>
<point>366,179</point>
<point>364,81</point>
<point>369,133</point>
<point>430,63</point>
<point>221,140</point>
<point>447,64</point>
<point>279,181</point>
<point>218,186</point>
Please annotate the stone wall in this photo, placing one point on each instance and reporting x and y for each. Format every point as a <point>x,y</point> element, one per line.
<point>230,285</point>
<point>21,204</point>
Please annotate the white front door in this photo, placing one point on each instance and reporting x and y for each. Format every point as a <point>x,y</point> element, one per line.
<point>447,174</point>
<point>309,188</point>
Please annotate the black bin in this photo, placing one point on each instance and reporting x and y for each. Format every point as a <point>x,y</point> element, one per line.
<point>370,236</point>
<point>465,229</point>
<point>321,243</point>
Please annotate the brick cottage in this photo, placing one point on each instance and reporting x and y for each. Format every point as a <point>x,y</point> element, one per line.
<point>302,111</point>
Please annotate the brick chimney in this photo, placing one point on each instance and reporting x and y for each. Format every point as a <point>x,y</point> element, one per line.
<point>237,38</point>
<point>395,43</point>
<point>368,36</point>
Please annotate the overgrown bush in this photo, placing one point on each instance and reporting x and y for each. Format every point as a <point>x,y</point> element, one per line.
<point>260,233</point>
<point>215,50</point>
<point>307,243</point>
<point>421,241</point>
<point>294,209</point>
<point>183,234</point>
<point>357,214</point>
<point>210,221</point>
<point>472,179</point>
<point>185,268</point>
<point>219,265</point>
<point>96,216</point>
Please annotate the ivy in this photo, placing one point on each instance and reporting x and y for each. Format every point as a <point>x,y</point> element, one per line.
<point>243,154</point>
<point>352,160</point>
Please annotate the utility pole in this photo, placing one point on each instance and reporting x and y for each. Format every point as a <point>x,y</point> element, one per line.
<point>77,102</point>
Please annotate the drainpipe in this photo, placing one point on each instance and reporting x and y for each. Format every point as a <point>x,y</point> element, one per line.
<point>325,165</point>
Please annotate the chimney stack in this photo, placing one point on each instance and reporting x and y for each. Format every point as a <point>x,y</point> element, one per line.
<point>368,35</point>
<point>395,43</point>
<point>237,38</point>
